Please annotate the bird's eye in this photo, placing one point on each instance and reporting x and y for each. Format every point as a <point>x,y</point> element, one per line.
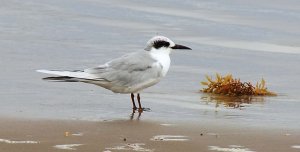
<point>158,44</point>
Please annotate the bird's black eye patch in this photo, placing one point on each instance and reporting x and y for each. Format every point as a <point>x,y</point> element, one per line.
<point>159,44</point>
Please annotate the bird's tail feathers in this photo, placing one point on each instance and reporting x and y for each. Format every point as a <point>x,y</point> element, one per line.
<point>71,76</point>
<point>61,79</point>
<point>68,74</point>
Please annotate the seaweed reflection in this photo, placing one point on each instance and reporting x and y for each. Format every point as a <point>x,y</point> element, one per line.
<point>231,101</point>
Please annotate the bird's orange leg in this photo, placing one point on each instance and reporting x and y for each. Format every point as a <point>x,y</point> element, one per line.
<point>133,103</point>
<point>139,101</point>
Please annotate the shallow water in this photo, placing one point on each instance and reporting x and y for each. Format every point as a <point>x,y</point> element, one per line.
<point>250,39</point>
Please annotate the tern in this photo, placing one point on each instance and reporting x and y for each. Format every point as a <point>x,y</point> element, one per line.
<point>129,74</point>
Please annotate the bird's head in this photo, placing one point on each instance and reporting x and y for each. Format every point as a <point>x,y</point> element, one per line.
<point>161,43</point>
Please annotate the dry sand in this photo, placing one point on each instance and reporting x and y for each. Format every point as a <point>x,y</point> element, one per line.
<point>139,135</point>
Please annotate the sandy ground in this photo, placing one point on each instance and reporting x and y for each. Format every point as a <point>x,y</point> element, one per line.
<point>138,135</point>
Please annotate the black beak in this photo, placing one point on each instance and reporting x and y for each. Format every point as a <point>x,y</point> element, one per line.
<point>177,46</point>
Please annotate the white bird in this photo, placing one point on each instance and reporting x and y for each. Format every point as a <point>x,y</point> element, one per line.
<point>130,73</point>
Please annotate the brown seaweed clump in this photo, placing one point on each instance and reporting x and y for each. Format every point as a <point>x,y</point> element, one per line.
<point>227,85</point>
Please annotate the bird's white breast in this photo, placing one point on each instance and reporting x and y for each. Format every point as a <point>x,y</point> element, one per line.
<point>163,59</point>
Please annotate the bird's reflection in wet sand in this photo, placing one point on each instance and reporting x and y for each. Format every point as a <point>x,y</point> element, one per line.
<point>232,101</point>
<point>137,113</point>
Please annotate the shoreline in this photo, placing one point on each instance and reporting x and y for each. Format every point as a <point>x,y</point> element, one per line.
<point>139,135</point>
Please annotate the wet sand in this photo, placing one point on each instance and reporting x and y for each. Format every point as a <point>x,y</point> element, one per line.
<point>137,135</point>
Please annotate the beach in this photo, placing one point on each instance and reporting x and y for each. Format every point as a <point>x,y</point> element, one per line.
<point>249,39</point>
<point>138,135</point>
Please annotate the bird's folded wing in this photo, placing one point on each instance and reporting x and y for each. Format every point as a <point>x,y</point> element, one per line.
<point>97,70</point>
<point>128,70</point>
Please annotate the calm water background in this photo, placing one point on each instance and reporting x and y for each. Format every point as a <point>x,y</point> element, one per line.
<point>250,39</point>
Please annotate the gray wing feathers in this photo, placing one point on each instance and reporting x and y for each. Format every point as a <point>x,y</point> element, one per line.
<point>97,70</point>
<point>128,70</point>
